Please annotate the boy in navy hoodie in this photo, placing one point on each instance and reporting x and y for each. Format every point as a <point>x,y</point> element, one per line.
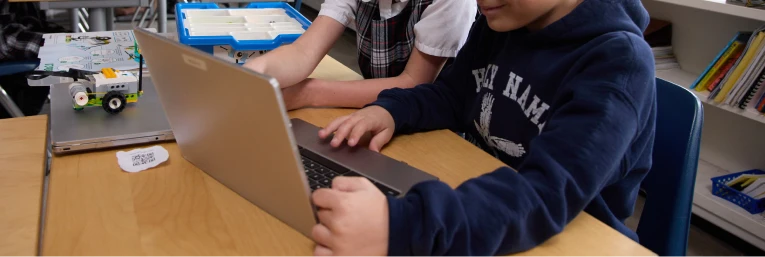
<point>562,91</point>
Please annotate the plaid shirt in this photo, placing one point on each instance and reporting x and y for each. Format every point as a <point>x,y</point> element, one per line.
<point>18,43</point>
<point>385,45</point>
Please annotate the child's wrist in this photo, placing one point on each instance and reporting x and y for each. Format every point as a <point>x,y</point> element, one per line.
<point>312,91</point>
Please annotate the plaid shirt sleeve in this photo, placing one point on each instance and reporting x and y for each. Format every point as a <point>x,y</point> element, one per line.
<point>18,43</point>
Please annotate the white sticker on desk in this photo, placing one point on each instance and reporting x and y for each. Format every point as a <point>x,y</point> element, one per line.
<point>142,159</point>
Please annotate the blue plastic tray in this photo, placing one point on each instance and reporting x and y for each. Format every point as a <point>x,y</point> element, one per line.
<point>206,43</point>
<point>719,188</point>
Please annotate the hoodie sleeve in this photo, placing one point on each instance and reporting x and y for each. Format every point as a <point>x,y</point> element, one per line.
<point>438,105</point>
<point>579,152</point>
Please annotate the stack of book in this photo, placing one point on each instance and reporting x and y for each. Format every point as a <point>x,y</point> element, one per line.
<point>658,34</point>
<point>664,58</point>
<point>737,75</point>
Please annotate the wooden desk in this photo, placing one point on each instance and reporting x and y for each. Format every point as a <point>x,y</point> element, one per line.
<point>175,209</point>
<point>22,171</point>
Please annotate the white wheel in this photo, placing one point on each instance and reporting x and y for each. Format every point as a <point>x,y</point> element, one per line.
<point>115,103</point>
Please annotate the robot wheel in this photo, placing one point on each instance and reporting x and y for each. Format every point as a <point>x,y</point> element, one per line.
<point>114,102</point>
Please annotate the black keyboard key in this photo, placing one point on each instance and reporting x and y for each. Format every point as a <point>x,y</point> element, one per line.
<point>316,176</point>
<point>331,174</point>
<point>311,165</point>
<point>325,182</point>
<point>315,186</point>
<point>386,190</point>
<point>322,169</point>
<point>311,174</point>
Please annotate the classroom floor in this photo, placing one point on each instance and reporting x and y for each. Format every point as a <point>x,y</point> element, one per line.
<point>704,239</point>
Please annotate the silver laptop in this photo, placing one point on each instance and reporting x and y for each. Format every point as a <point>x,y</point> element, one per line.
<point>231,123</point>
<point>93,128</point>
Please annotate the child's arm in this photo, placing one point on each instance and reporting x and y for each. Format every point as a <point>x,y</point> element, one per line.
<point>440,32</point>
<point>580,152</point>
<point>421,68</point>
<point>428,106</point>
<point>292,63</point>
<point>425,107</point>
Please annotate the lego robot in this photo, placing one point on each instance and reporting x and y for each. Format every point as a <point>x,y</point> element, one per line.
<point>110,89</point>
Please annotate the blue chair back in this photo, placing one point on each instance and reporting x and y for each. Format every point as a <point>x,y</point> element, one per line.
<point>666,216</point>
<point>9,68</point>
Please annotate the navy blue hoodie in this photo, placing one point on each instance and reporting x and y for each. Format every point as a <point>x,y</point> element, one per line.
<point>571,107</point>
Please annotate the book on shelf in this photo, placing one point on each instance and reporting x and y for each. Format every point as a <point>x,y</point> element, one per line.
<point>755,91</point>
<point>658,34</point>
<point>751,73</point>
<point>758,94</point>
<point>718,66</point>
<point>735,76</point>
<point>664,58</point>
<point>738,69</point>
<point>720,74</point>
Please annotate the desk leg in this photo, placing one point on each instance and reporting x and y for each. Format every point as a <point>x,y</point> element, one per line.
<point>97,19</point>
<point>110,19</point>
<point>74,19</point>
<point>162,28</point>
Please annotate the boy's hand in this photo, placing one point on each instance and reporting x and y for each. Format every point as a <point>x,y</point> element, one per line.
<point>353,219</point>
<point>374,119</point>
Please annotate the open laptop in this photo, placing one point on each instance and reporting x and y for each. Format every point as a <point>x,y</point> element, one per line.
<point>231,123</point>
<point>93,128</point>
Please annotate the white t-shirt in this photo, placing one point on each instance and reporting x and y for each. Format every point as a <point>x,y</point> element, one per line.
<point>441,31</point>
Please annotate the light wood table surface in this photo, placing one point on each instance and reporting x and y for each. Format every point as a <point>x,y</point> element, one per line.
<point>22,172</point>
<point>94,208</point>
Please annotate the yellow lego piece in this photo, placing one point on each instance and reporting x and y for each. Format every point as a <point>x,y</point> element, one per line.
<point>109,73</point>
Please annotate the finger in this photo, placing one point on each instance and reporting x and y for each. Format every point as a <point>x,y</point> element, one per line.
<point>344,129</point>
<point>322,251</point>
<point>357,132</point>
<point>324,133</point>
<point>325,218</point>
<point>351,184</point>
<point>321,234</point>
<point>380,139</point>
<point>326,198</point>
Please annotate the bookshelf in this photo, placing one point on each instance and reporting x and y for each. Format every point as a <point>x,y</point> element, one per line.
<point>720,6</point>
<point>732,139</point>
<point>686,78</point>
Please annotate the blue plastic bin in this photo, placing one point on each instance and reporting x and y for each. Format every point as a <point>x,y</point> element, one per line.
<point>719,188</point>
<point>207,43</point>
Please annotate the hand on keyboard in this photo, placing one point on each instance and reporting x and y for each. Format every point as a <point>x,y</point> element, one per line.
<point>320,176</point>
<point>357,214</point>
<point>373,119</point>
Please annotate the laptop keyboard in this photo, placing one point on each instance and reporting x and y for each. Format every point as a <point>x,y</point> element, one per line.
<point>319,176</point>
